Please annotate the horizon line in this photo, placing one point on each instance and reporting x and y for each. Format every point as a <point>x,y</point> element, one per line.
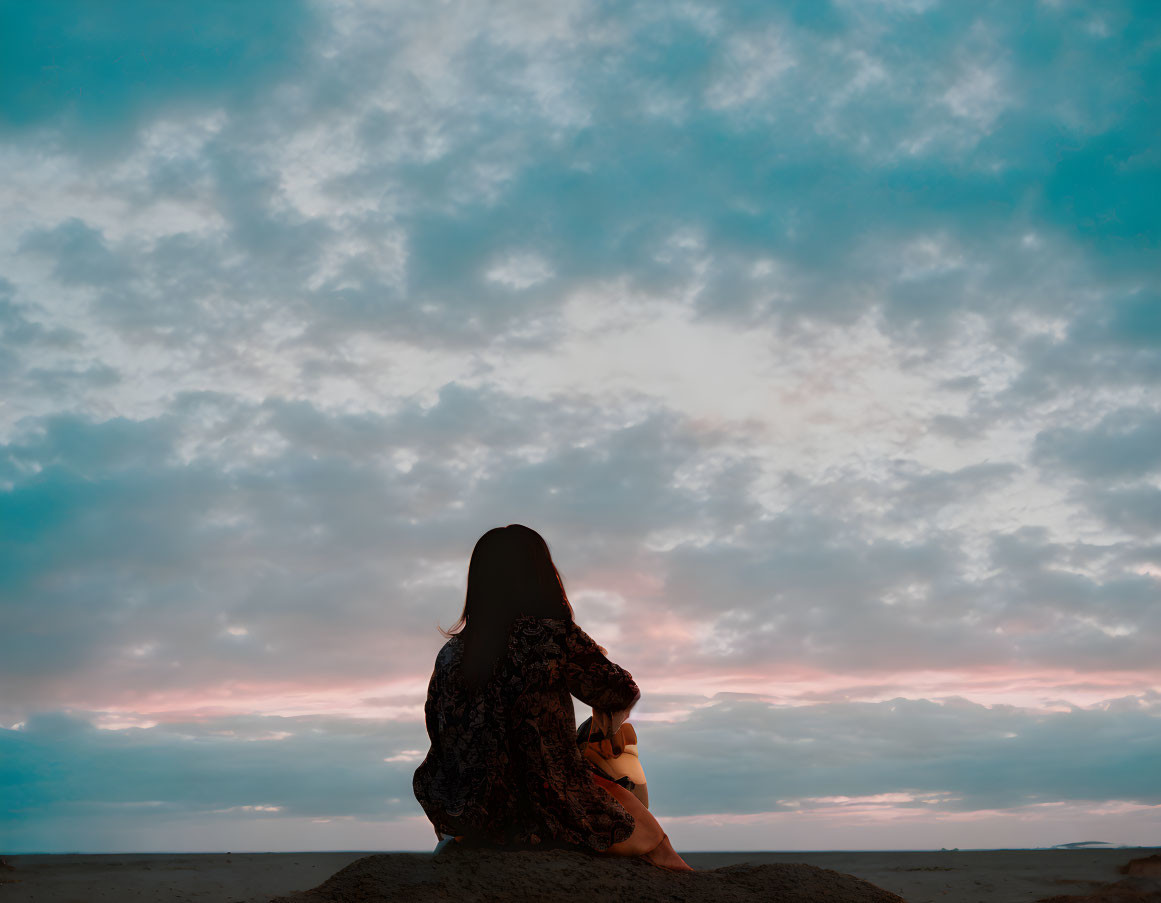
<point>1063,848</point>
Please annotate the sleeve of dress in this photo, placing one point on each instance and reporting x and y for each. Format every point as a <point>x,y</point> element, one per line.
<point>420,778</point>
<point>593,679</point>
<point>430,710</point>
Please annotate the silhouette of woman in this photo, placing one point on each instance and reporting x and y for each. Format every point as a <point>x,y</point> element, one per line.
<point>504,768</point>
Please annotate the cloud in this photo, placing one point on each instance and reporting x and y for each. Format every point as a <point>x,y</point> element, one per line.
<point>819,341</point>
<point>259,764</point>
<point>941,757</point>
<point>306,511</point>
<point>1126,443</point>
<point>304,514</point>
<point>1134,508</point>
<point>80,254</point>
<point>770,758</point>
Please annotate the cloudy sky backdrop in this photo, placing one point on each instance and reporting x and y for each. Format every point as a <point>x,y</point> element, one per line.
<point>820,340</point>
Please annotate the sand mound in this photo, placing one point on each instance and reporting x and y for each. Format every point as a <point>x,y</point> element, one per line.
<point>1149,866</point>
<point>1124,891</point>
<point>490,876</point>
<point>1142,886</point>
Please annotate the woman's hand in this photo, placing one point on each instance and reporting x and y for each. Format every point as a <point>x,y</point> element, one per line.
<point>605,733</point>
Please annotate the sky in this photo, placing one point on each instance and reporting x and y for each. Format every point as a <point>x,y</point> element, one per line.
<point>820,340</point>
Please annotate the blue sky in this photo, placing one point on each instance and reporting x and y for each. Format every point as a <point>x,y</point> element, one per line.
<point>821,341</point>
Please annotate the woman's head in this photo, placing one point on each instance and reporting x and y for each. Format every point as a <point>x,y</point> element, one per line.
<point>511,573</point>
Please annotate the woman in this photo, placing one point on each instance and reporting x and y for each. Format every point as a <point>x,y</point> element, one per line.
<point>504,768</point>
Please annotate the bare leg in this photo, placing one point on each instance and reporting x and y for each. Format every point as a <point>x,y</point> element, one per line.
<point>647,832</point>
<point>648,840</point>
<point>666,857</point>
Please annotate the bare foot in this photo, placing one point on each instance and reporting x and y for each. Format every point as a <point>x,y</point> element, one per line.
<point>664,856</point>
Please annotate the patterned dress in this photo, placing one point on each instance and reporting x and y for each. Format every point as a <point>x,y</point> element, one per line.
<point>504,767</point>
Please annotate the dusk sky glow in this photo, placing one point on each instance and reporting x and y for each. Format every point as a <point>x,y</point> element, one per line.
<point>820,340</point>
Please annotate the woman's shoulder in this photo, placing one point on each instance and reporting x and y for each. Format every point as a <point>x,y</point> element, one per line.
<point>532,624</point>
<point>448,651</point>
<point>529,632</point>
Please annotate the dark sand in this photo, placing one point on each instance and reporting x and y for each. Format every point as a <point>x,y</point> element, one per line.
<point>566,876</point>
<point>1002,876</point>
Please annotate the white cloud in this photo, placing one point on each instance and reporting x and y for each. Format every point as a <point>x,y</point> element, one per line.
<point>520,270</point>
<point>784,327</point>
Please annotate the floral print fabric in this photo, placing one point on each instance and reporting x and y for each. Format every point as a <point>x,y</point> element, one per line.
<point>504,767</point>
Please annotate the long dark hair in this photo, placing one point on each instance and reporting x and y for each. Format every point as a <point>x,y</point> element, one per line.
<point>511,574</point>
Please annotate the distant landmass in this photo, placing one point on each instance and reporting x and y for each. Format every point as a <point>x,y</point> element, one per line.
<point>1086,844</point>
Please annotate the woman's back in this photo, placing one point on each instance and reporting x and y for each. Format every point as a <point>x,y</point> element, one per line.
<point>503,766</point>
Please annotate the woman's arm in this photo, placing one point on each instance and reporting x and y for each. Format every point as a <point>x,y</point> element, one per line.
<point>430,705</point>
<point>592,678</point>
<point>600,683</point>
